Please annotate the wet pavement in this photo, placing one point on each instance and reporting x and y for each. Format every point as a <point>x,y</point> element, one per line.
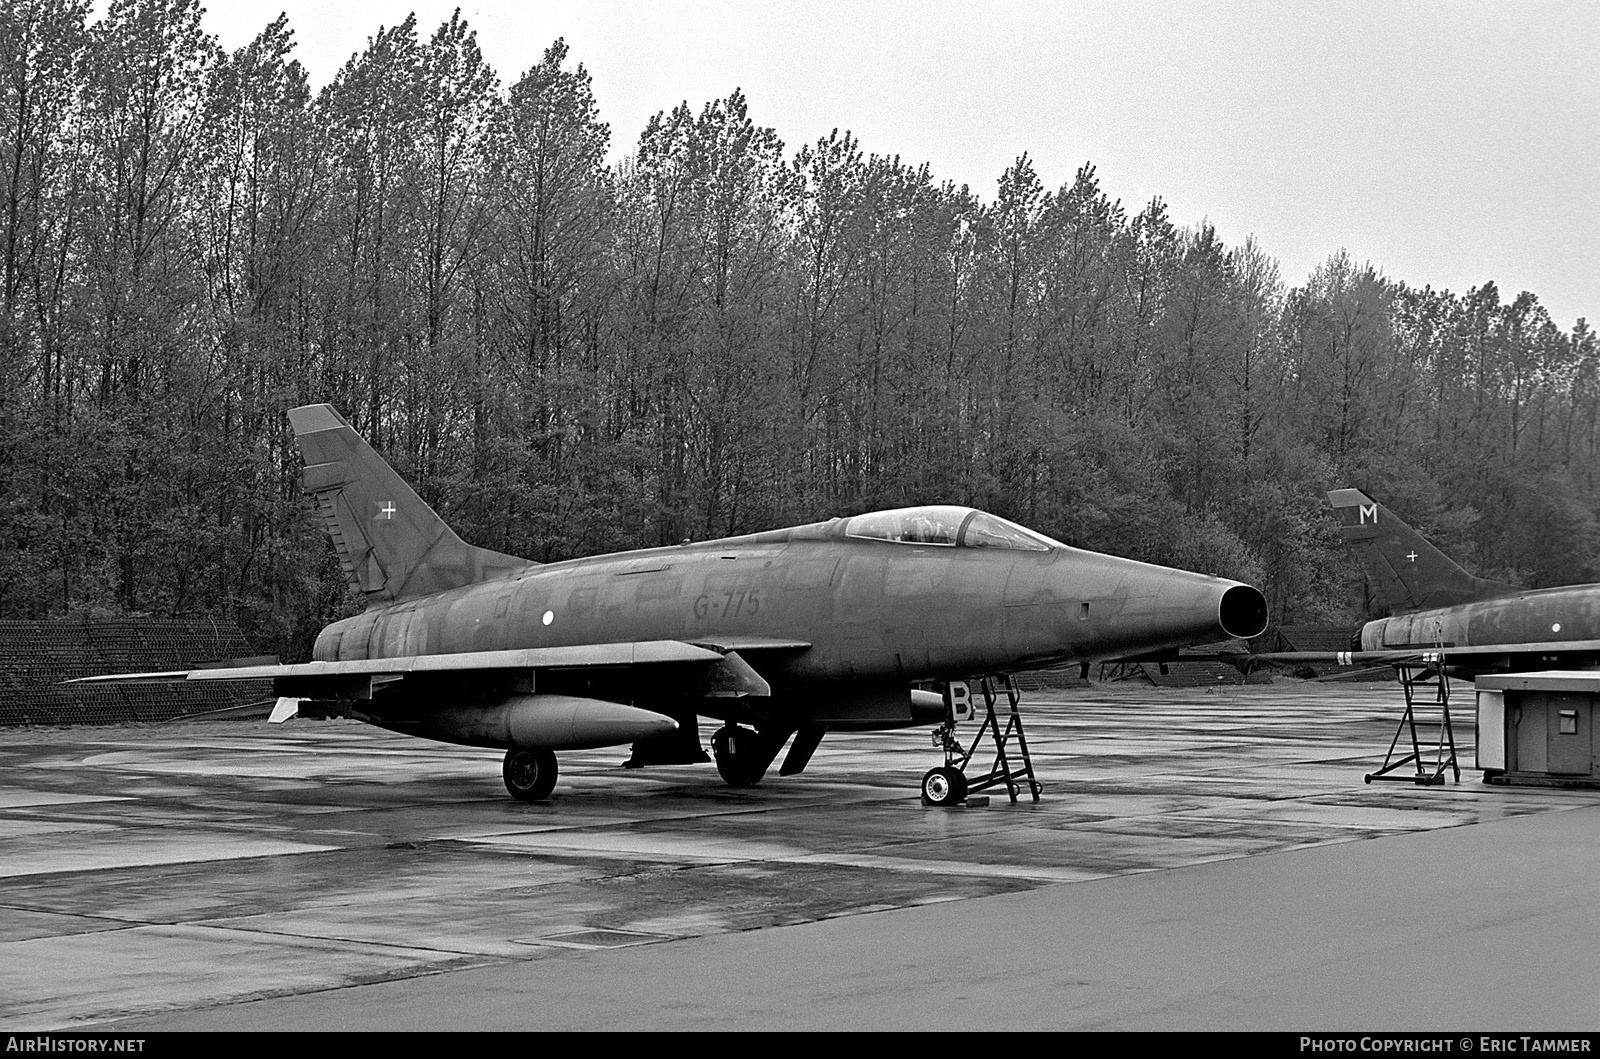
<point>239,874</point>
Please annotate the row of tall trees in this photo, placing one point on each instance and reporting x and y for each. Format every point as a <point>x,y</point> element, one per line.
<point>715,335</point>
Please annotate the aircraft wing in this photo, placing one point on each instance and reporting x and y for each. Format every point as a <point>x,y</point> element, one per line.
<point>338,679</point>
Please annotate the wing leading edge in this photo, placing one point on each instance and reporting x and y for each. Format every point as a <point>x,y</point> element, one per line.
<point>609,655</point>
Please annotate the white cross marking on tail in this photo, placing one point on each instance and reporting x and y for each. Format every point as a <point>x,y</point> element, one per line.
<point>386,509</point>
<point>1411,557</point>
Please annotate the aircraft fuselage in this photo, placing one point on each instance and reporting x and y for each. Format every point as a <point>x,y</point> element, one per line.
<point>1535,616</point>
<point>871,611</point>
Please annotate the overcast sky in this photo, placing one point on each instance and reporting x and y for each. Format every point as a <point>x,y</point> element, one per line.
<point>1446,143</point>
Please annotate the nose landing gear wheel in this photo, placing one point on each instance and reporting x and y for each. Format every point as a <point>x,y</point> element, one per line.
<point>944,786</point>
<point>530,774</point>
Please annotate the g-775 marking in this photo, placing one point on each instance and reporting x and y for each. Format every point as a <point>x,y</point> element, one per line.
<point>727,604</point>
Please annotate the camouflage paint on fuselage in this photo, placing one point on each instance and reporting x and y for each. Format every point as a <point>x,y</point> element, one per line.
<point>1535,616</point>
<point>870,610</point>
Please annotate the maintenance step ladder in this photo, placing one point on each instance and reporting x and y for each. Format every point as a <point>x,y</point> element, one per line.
<point>1014,769</point>
<point>1433,748</point>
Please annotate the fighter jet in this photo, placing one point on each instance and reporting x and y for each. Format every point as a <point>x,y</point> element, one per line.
<point>786,633</point>
<point>1435,606</point>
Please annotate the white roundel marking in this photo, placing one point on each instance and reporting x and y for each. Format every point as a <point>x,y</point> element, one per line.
<point>1556,627</point>
<point>549,616</point>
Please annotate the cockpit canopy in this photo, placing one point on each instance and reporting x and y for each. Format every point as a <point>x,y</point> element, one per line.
<point>946,526</point>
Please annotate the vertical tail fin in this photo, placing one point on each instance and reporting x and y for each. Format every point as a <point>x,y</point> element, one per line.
<point>392,546</point>
<point>1405,571</point>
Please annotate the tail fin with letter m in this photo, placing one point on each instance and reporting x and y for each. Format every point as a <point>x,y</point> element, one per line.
<point>391,545</point>
<point>1404,570</point>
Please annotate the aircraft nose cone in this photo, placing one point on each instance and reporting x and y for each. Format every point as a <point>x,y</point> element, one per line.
<point>1243,612</point>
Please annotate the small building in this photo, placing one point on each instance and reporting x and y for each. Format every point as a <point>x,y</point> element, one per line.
<point>1538,728</point>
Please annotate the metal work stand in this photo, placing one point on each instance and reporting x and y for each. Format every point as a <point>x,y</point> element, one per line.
<point>957,757</point>
<point>1416,677</point>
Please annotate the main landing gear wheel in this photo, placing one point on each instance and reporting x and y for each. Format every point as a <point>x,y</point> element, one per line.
<point>742,755</point>
<point>530,774</point>
<point>944,786</point>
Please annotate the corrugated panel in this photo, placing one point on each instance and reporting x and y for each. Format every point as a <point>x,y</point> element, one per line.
<point>35,657</point>
<point>1199,674</point>
<point>1317,637</point>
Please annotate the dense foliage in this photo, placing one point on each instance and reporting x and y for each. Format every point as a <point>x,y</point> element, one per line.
<point>714,336</point>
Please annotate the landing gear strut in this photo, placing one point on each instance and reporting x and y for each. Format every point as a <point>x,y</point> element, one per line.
<point>530,774</point>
